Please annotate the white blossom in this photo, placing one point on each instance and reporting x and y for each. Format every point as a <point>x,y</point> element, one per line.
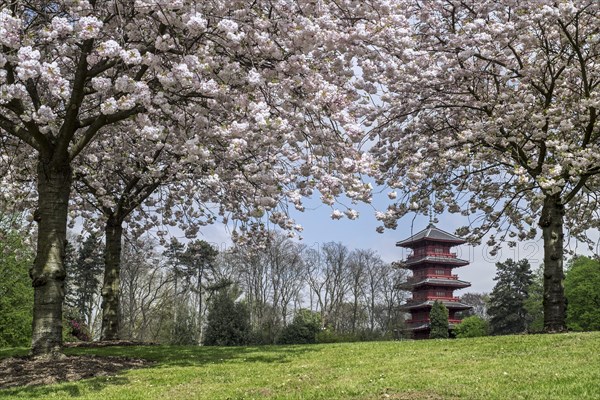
<point>131,56</point>
<point>61,26</point>
<point>101,84</point>
<point>337,214</point>
<point>89,27</point>
<point>10,29</point>
<point>109,106</point>
<point>109,48</point>
<point>29,65</point>
<point>44,115</point>
<point>197,23</point>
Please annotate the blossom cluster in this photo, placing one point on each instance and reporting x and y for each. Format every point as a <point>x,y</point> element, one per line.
<point>189,113</point>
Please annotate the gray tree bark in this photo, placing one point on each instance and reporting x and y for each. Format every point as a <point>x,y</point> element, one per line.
<point>48,271</point>
<point>551,222</point>
<point>112,280</point>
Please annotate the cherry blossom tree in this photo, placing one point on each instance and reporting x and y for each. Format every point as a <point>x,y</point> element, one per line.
<point>110,186</point>
<point>490,109</point>
<point>268,77</point>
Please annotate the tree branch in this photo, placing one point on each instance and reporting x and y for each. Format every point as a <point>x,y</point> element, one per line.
<point>18,132</point>
<point>100,122</point>
<point>69,127</point>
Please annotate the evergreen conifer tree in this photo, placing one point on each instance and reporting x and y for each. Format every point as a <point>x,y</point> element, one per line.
<point>507,311</point>
<point>439,321</point>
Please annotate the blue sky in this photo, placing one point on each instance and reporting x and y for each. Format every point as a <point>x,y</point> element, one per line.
<point>360,234</point>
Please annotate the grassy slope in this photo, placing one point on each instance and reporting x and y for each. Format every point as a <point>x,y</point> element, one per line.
<point>510,367</point>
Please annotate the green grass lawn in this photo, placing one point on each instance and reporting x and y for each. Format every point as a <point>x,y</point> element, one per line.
<point>561,367</point>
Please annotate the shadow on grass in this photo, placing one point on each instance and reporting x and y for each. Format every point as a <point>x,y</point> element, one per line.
<point>13,352</point>
<point>200,355</point>
<point>164,356</point>
<point>70,389</point>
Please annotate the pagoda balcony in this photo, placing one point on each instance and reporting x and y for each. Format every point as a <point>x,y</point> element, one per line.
<point>450,302</point>
<point>441,298</point>
<point>415,279</point>
<point>430,254</point>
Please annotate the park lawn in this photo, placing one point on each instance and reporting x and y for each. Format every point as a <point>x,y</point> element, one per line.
<point>565,366</point>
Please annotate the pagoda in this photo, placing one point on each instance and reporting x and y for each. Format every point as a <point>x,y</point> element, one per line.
<point>431,263</point>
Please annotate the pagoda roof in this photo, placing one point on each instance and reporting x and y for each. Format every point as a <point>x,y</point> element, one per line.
<point>420,327</point>
<point>427,326</point>
<point>414,261</point>
<point>455,305</point>
<point>432,234</point>
<point>455,283</point>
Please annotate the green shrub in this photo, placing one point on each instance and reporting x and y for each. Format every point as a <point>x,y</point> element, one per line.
<point>16,293</point>
<point>328,335</point>
<point>184,329</point>
<point>472,326</point>
<point>228,322</point>
<point>303,329</point>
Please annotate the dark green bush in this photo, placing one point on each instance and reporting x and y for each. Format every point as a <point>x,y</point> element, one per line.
<point>228,322</point>
<point>472,326</point>
<point>303,329</point>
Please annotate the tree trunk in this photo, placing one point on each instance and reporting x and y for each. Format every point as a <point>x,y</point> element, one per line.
<point>48,271</point>
<point>372,314</point>
<point>175,307</point>
<point>112,280</point>
<point>199,293</point>
<point>354,313</point>
<point>551,222</point>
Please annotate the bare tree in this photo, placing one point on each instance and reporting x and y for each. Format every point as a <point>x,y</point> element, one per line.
<point>375,272</point>
<point>389,316</point>
<point>330,281</point>
<point>357,274</point>
<point>255,283</point>
<point>146,286</point>
<point>479,303</point>
<point>287,271</point>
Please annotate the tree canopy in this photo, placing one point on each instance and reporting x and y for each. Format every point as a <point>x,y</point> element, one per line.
<point>249,93</point>
<point>490,109</point>
<point>484,108</point>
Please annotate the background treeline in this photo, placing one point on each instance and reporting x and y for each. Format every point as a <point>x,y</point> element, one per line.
<point>284,292</point>
<point>167,294</point>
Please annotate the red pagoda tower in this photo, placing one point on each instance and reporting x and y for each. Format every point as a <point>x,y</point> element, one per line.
<point>431,263</point>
